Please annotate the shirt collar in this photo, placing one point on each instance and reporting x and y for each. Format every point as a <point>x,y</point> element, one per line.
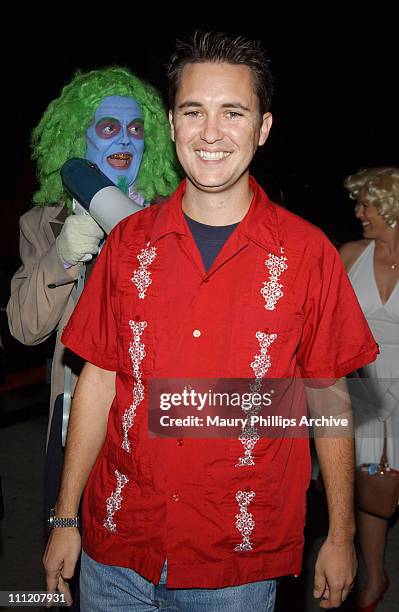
<point>260,224</point>
<point>170,219</point>
<point>137,197</point>
<point>261,221</point>
<point>57,212</point>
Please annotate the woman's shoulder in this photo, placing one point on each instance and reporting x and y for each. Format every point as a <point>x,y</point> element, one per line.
<point>351,251</point>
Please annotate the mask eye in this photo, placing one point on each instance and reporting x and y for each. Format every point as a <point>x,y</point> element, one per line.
<point>108,128</point>
<point>136,129</point>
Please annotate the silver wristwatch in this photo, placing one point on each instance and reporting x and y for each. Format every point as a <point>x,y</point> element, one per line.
<point>57,521</point>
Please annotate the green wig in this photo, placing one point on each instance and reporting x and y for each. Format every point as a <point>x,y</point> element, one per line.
<point>61,133</point>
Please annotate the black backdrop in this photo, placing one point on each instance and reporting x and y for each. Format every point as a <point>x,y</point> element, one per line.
<point>335,106</point>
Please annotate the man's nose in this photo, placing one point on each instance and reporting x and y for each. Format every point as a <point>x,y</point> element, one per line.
<point>211,131</point>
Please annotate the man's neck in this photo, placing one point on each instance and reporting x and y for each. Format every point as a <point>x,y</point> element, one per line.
<point>223,208</point>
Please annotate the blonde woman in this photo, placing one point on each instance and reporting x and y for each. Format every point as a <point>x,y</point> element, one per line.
<point>373,268</point>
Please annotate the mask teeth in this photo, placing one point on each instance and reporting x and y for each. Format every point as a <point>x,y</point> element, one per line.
<point>121,156</point>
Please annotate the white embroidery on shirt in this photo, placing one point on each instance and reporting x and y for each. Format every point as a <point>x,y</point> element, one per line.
<point>137,354</point>
<point>244,521</point>
<point>271,292</point>
<point>248,439</point>
<point>142,277</point>
<point>272,289</point>
<point>262,363</point>
<point>249,436</point>
<point>114,501</point>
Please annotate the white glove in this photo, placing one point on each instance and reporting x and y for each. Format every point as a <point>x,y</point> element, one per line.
<point>79,239</point>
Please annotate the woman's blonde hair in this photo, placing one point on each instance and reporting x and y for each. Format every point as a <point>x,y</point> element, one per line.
<point>380,188</point>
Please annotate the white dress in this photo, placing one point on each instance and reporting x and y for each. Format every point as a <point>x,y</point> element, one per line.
<point>383,374</point>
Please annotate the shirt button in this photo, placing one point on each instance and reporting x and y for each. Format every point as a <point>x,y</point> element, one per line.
<point>180,442</point>
<point>137,318</point>
<point>175,497</point>
<point>196,333</point>
<point>247,489</point>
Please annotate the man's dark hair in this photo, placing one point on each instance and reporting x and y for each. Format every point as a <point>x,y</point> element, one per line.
<point>218,47</point>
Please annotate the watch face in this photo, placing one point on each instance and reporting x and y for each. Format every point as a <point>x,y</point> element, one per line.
<point>50,519</point>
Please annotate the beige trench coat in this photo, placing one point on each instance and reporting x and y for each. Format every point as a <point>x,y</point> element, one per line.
<point>34,310</point>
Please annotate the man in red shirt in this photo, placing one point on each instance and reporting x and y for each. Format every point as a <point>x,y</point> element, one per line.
<point>217,282</point>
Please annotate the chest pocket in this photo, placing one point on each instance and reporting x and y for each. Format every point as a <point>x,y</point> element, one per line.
<point>267,330</point>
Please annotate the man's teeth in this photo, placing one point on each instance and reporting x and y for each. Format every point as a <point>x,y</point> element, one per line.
<point>212,155</point>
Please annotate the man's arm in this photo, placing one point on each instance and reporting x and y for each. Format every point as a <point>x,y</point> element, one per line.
<point>86,433</point>
<point>34,309</point>
<point>42,286</point>
<point>336,564</point>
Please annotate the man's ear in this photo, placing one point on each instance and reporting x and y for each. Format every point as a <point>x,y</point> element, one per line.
<point>267,121</point>
<point>172,127</point>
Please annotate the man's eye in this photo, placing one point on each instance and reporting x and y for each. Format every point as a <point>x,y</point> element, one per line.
<point>136,129</point>
<point>192,114</point>
<point>233,114</point>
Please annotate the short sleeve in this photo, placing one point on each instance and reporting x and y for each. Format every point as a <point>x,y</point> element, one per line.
<point>336,338</point>
<point>91,330</point>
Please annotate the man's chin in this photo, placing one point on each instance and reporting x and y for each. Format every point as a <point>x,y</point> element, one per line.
<point>216,185</point>
<point>211,187</point>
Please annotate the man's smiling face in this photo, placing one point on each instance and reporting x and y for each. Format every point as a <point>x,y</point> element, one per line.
<point>216,124</point>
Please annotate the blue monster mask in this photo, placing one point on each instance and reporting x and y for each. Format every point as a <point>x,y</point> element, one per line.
<point>115,140</point>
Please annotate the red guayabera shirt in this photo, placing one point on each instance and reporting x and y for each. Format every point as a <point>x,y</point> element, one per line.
<point>276,303</point>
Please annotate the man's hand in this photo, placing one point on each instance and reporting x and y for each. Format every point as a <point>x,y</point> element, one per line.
<point>335,572</point>
<point>79,239</point>
<point>59,559</point>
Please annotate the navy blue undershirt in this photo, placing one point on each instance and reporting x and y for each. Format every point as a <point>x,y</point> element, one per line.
<point>209,239</point>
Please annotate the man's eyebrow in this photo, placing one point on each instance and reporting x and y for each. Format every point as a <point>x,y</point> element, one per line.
<point>235,105</point>
<point>193,103</point>
<point>189,103</point>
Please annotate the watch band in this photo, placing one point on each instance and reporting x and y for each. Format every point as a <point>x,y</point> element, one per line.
<point>57,521</point>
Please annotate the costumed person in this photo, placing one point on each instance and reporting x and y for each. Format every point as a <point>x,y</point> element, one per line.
<point>215,283</point>
<point>118,122</point>
<point>373,268</point>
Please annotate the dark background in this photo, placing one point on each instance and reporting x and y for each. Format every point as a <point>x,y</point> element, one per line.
<point>335,106</point>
